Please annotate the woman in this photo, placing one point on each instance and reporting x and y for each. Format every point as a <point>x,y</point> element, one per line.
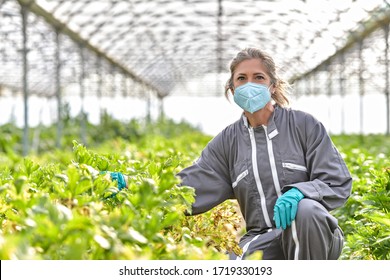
<point>280,165</point>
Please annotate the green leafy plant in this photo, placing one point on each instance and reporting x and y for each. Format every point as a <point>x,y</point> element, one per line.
<point>58,204</point>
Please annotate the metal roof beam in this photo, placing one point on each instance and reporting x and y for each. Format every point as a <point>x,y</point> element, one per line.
<point>375,22</point>
<point>64,29</point>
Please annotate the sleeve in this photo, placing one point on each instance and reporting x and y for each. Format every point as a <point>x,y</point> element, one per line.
<point>209,176</point>
<point>330,181</point>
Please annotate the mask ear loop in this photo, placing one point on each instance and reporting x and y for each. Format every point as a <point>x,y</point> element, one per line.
<point>272,94</point>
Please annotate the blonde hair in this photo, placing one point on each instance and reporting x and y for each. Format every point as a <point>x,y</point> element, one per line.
<point>282,87</point>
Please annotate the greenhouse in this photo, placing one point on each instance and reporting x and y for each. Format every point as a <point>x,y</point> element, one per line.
<point>89,87</point>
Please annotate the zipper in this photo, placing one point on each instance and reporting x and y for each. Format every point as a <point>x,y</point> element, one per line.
<point>294,166</point>
<point>239,178</point>
<point>257,178</point>
<point>296,241</point>
<point>246,246</point>
<point>271,156</point>
<point>276,181</point>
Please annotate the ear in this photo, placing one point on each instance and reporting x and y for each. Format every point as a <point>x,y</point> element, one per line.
<point>272,89</point>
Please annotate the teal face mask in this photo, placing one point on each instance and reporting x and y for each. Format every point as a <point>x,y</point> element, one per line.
<point>252,97</point>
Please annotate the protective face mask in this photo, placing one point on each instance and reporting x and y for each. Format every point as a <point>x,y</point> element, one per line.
<point>252,97</point>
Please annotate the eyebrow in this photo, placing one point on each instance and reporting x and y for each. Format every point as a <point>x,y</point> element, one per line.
<point>254,74</point>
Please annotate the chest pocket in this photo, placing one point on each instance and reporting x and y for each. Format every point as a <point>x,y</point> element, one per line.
<point>294,173</point>
<point>240,174</point>
<point>240,177</point>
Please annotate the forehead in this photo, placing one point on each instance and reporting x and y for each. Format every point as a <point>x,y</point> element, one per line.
<point>250,66</point>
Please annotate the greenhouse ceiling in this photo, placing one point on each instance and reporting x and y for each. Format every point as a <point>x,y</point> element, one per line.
<point>165,43</point>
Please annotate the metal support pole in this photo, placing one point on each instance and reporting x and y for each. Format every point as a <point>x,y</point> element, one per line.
<point>24,13</point>
<point>305,91</point>
<point>329,93</point>
<point>219,51</point>
<point>161,107</point>
<point>82,95</point>
<point>219,38</point>
<point>124,84</point>
<point>387,78</point>
<point>313,83</point>
<point>342,89</point>
<point>148,106</point>
<point>58,90</point>
<point>361,84</point>
<point>113,80</point>
<point>147,93</point>
<point>99,85</point>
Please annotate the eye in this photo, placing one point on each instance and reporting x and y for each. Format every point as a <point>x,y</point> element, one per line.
<point>260,77</point>
<point>240,78</point>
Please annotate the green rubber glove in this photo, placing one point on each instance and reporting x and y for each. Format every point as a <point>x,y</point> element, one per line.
<point>117,176</point>
<point>286,207</point>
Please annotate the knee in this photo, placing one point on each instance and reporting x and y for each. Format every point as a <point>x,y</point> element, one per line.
<point>311,211</point>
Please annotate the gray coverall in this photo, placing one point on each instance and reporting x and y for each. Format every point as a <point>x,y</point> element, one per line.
<point>257,165</point>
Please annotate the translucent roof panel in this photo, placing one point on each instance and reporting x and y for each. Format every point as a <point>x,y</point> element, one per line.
<point>171,42</point>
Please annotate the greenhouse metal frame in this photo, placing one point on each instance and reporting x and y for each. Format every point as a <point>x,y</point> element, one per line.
<point>146,49</point>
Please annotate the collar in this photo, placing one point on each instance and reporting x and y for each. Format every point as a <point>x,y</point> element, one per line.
<point>271,128</point>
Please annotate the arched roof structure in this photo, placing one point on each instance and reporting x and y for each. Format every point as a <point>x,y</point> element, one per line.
<point>163,43</point>
<point>155,48</point>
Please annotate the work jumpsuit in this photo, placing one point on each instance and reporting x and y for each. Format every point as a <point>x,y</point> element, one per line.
<point>257,165</point>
